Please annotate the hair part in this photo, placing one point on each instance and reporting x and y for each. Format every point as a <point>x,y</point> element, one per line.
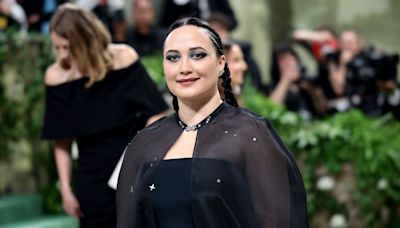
<point>224,78</point>
<point>88,41</point>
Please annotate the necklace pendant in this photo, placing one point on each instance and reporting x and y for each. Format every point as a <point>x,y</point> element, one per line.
<point>190,128</point>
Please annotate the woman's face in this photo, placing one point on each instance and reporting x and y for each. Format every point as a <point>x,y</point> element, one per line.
<point>289,66</point>
<point>191,65</point>
<point>62,47</point>
<point>237,65</point>
<point>350,42</point>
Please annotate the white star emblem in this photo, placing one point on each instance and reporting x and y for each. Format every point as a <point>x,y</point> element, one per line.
<point>152,187</point>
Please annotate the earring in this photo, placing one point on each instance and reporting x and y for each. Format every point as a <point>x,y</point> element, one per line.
<point>221,73</point>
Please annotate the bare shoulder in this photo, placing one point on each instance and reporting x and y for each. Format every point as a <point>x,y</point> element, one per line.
<point>124,55</point>
<point>54,75</point>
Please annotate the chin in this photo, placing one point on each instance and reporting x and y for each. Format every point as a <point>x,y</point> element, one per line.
<point>187,96</point>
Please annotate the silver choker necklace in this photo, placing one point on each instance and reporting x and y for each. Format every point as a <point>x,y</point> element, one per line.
<point>203,122</point>
<point>188,128</point>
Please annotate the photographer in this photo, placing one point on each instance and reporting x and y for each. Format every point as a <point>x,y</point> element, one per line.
<point>291,86</point>
<point>370,77</point>
<point>324,47</point>
<point>372,82</point>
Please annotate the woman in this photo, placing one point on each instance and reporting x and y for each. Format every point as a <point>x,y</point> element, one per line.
<point>100,95</point>
<point>290,86</point>
<point>213,164</point>
<point>237,67</point>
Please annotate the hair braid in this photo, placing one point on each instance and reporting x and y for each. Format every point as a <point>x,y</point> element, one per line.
<point>175,102</point>
<point>226,84</point>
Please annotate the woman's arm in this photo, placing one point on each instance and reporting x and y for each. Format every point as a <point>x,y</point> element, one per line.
<point>62,150</point>
<point>337,74</point>
<point>278,95</point>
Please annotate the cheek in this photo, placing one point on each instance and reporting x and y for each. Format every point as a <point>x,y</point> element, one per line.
<point>236,67</point>
<point>168,71</point>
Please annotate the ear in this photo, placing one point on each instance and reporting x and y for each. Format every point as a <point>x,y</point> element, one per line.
<point>221,63</point>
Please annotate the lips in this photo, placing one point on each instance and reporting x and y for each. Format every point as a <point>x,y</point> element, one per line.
<point>187,80</point>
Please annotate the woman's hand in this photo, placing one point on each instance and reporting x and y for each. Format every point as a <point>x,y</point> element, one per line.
<point>291,72</point>
<point>70,203</point>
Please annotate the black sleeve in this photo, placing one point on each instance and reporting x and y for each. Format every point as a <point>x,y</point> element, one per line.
<point>144,93</point>
<point>124,96</point>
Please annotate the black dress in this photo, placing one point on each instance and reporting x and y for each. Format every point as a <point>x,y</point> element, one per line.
<point>172,196</point>
<point>102,119</point>
<point>241,175</point>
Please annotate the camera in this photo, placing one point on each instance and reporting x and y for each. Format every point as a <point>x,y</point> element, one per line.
<point>330,55</point>
<point>364,72</point>
<point>372,65</point>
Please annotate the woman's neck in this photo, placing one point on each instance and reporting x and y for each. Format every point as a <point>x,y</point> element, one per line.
<point>193,112</point>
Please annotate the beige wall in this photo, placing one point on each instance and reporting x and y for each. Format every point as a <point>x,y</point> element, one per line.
<point>253,26</point>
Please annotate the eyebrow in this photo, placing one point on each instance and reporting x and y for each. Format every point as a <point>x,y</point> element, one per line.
<point>190,49</point>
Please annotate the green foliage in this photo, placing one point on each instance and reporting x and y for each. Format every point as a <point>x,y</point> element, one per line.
<point>22,67</point>
<point>370,147</point>
<point>154,66</point>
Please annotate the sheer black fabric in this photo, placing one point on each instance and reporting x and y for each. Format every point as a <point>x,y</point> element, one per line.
<point>242,174</point>
<point>102,119</point>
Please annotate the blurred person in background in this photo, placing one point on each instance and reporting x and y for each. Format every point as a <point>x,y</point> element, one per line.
<point>370,75</point>
<point>174,9</point>
<point>220,23</point>
<point>292,87</point>
<point>237,66</point>
<point>39,12</point>
<point>324,47</point>
<point>99,95</point>
<point>144,35</point>
<point>12,15</point>
<point>111,13</point>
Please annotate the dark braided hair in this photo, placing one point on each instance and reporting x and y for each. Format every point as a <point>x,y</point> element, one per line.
<point>216,41</point>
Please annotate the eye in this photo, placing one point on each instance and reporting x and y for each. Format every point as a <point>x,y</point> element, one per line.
<point>236,60</point>
<point>172,57</point>
<point>198,55</point>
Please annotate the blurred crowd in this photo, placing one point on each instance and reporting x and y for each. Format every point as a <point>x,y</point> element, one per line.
<point>350,73</point>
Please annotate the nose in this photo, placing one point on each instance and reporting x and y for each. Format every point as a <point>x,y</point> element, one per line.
<point>63,52</point>
<point>185,66</point>
<point>244,66</point>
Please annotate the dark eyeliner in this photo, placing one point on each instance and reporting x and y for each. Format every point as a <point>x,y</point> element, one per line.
<point>172,57</point>
<point>198,54</point>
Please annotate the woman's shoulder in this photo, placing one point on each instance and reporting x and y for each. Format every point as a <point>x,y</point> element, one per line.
<point>249,121</point>
<point>248,115</point>
<point>160,128</point>
<point>163,122</point>
<point>124,55</point>
<point>55,75</point>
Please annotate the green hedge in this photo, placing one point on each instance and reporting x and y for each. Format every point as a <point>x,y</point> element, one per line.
<point>350,163</point>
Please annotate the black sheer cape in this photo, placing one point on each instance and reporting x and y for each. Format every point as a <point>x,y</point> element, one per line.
<point>242,174</point>
<point>125,96</point>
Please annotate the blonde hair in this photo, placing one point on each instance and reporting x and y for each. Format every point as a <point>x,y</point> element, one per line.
<point>88,40</point>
